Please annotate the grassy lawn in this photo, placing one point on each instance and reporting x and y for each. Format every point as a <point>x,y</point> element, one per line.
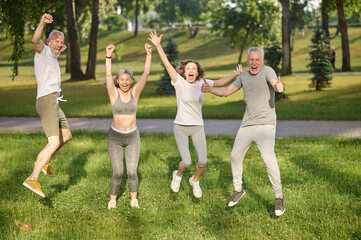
<point>320,176</point>
<point>321,186</point>
<point>89,99</point>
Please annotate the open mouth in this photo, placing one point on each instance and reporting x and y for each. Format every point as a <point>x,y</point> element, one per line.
<point>56,51</point>
<point>191,76</point>
<point>124,87</point>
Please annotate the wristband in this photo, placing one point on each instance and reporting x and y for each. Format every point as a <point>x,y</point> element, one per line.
<point>108,57</point>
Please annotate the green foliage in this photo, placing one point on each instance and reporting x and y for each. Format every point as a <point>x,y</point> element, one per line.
<point>320,64</point>
<point>167,10</point>
<point>115,22</point>
<point>245,22</point>
<point>118,51</point>
<point>14,16</point>
<point>171,50</point>
<point>273,56</point>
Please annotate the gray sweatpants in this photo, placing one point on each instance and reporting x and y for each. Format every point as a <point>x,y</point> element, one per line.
<point>196,132</point>
<point>131,144</point>
<point>264,137</point>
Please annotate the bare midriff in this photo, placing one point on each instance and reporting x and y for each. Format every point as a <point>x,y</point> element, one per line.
<point>124,122</point>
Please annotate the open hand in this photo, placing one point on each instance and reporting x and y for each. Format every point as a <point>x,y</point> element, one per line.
<point>63,48</point>
<point>154,38</point>
<point>238,69</point>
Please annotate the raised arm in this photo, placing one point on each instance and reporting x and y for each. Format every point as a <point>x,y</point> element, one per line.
<point>225,80</point>
<point>156,41</point>
<point>138,87</point>
<point>38,44</point>
<point>108,71</point>
<point>220,92</point>
<point>277,84</point>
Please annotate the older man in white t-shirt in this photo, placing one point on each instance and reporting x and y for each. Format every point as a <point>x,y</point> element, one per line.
<point>53,120</point>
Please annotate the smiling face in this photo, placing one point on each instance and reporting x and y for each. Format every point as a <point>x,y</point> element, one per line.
<point>56,43</point>
<point>255,61</point>
<point>124,82</point>
<point>191,72</point>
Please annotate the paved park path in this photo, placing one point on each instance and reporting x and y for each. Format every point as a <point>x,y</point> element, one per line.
<point>350,129</point>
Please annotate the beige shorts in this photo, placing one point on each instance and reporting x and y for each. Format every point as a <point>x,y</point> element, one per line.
<point>51,115</point>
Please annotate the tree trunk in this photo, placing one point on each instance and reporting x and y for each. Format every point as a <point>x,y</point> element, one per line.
<point>193,31</point>
<point>346,63</point>
<point>325,18</point>
<point>136,17</point>
<point>243,46</point>
<point>67,64</point>
<point>75,63</point>
<point>286,43</point>
<point>93,41</point>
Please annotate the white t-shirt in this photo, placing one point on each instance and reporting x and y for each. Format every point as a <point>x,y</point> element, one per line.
<point>47,72</point>
<point>189,101</point>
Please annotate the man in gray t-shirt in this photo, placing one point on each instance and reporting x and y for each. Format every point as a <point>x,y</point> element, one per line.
<point>259,84</point>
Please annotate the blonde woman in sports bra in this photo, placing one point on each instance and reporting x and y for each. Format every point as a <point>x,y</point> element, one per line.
<point>123,134</point>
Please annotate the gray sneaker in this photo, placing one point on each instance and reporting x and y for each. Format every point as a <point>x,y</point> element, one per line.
<point>280,206</point>
<point>235,197</point>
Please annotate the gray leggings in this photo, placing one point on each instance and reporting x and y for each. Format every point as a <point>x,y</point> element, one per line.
<point>196,132</point>
<point>131,144</point>
<point>264,137</point>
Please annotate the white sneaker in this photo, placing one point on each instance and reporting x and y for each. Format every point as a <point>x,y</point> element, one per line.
<point>134,203</point>
<point>112,204</point>
<point>197,191</point>
<point>175,185</point>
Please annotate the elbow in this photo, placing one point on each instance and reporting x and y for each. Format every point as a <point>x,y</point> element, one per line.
<point>146,74</point>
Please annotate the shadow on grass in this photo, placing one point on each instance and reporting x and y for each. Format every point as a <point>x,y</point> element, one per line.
<point>75,172</point>
<point>344,182</point>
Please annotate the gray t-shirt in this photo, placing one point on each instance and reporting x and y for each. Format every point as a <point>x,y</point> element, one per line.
<point>259,97</point>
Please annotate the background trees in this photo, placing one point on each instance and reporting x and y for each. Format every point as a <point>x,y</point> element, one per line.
<point>320,64</point>
<point>243,23</point>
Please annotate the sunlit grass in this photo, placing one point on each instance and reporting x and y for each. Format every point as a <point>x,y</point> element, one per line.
<point>321,186</point>
<point>89,99</point>
<point>212,51</point>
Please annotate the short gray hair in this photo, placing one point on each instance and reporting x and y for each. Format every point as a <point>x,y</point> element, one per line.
<point>122,70</point>
<point>53,32</point>
<point>255,49</point>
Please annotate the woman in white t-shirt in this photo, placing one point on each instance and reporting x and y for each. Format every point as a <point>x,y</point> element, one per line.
<point>187,81</point>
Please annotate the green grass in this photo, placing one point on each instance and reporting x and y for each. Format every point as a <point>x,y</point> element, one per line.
<point>321,186</point>
<point>90,99</point>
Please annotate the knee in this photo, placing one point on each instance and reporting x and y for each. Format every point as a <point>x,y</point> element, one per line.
<point>67,137</point>
<point>186,164</point>
<point>203,163</point>
<point>117,175</point>
<point>233,156</point>
<point>132,175</point>
<point>53,143</point>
